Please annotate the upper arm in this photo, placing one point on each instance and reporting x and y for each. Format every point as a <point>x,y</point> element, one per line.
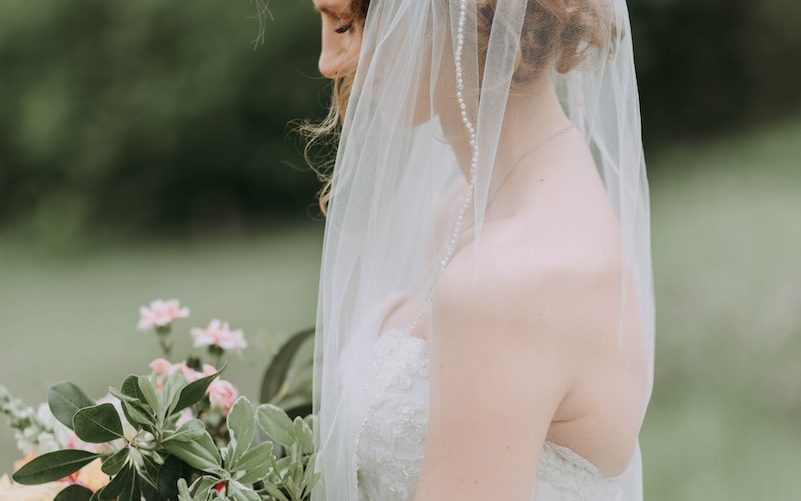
<point>500,367</point>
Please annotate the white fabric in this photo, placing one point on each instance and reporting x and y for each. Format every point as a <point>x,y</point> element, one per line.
<point>390,446</point>
<point>404,149</point>
<point>392,408</point>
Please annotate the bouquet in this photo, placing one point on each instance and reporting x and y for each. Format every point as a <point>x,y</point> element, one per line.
<point>179,432</point>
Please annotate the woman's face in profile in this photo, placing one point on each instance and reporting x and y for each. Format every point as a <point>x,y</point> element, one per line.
<point>341,38</point>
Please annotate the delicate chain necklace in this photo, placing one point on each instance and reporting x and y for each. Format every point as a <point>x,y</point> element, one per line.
<point>467,198</point>
<point>523,157</point>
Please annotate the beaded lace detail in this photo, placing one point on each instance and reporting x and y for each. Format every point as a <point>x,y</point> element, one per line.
<point>389,449</point>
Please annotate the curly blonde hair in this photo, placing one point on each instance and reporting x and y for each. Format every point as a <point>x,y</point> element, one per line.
<point>556,32</point>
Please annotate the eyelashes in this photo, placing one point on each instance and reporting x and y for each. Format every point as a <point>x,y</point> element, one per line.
<point>345,27</point>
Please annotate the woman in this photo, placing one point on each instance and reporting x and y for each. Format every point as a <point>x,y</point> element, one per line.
<point>485,324</point>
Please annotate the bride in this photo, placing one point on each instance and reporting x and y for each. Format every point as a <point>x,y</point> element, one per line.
<point>485,318</point>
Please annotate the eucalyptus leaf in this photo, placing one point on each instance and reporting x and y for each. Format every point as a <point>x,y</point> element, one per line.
<point>114,463</point>
<point>74,492</point>
<point>275,423</point>
<point>53,466</point>
<point>98,424</point>
<point>65,399</point>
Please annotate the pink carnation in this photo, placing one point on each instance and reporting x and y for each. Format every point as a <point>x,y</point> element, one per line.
<point>160,313</point>
<point>191,374</point>
<point>219,334</point>
<point>161,366</point>
<point>222,394</point>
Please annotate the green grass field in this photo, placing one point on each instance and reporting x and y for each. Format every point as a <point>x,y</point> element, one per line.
<point>725,420</point>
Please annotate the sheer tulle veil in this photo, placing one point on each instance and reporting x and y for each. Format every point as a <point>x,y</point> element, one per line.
<point>416,165</point>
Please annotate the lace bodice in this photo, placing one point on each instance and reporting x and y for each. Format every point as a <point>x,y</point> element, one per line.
<point>389,448</point>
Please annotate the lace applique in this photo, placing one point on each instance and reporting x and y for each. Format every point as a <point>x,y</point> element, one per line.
<point>572,477</point>
<point>390,443</point>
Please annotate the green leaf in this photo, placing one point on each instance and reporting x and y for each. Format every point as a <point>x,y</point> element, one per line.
<point>53,466</point>
<point>65,399</point>
<point>200,453</point>
<point>149,392</point>
<point>114,488</point>
<point>135,399</point>
<point>241,492</point>
<point>194,391</point>
<point>120,395</point>
<point>159,480</point>
<point>255,463</point>
<point>130,387</point>
<point>191,430</point>
<point>114,463</point>
<point>276,373</point>
<point>172,391</point>
<point>276,424</point>
<point>98,424</point>
<point>131,490</point>
<point>203,486</point>
<point>183,491</point>
<point>304,435</point>
<point>74,492</point>
<point>275,492</point>
<point>241,423</point>
<point>310,477</point>
<point>138,415</point>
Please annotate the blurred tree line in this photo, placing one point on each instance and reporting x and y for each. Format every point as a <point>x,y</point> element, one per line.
<point>159,116</point>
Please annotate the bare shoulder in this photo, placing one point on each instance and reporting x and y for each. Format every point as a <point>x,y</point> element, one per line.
<point>550,283</point>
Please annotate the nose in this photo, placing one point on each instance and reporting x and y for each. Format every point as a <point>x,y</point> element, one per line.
<point>330,64</point>
<point>332,50</point>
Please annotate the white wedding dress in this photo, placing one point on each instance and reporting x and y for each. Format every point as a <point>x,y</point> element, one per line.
<point>391,432</point>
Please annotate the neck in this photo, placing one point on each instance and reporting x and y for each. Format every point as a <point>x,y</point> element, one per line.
<point>528,119</point>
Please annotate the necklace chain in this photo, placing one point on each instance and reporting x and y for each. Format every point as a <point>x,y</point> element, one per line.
<point>467,198</point>
<point>524,156</point>
<point>457,227</point>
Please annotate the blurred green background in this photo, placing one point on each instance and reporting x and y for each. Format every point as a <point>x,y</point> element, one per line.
<point>146,151</point>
